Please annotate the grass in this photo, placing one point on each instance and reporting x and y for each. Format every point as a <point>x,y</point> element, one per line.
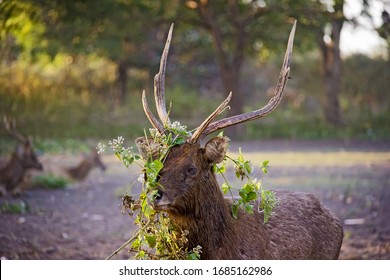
<point>315,158</point>
<point>307,170</point>
<point>19,207</point>
<point>49,181</point>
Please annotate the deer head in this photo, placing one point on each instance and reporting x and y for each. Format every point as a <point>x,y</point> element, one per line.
<point>13,171</point>
<point>24,152</point>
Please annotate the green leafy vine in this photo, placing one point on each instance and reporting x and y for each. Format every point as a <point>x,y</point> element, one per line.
<point>157,237</point>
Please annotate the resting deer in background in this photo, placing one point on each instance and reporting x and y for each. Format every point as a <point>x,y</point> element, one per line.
<point>13,170</point>
<point>78,172</point>
<point>89,161</point>
<point>300,226</point>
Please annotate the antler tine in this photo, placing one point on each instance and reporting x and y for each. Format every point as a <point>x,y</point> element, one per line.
<point>150,115</point>
<point>272,103</point>
<point>159,81</point>
<point>197,134</point>
<point>10,126</point>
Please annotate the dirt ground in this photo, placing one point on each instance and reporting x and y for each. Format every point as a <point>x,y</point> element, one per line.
<point>84,221</point>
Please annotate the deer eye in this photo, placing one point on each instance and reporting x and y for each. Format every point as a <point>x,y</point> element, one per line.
<point>192,170</point>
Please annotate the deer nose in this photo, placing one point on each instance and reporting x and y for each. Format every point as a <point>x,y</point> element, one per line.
<point>161,201</point>
<point>159,195</point>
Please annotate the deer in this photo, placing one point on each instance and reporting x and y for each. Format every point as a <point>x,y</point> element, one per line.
<point>77,172</point>
<point>82,169</point>
<point>13,171</point>
<point>300,227</point>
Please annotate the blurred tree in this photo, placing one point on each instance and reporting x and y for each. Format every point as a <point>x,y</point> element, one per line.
<point>119,30</point>
<point>237,28</point>
<point>20,29</point>
<point>330,50</point>
<point>324,21</point>
<point>384,28</point>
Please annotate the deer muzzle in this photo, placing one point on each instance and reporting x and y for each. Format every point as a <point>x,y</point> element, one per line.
<point>161,201</point>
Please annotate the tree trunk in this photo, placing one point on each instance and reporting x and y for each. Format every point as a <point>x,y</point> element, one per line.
<point>332,68</point>
<point>231,83</point>
<point>121,82</point>
<point>230,61</point>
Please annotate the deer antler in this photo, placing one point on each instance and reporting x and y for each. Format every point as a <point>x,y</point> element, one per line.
<point>202,130</point>
<point>159,81</point>
<point>208,126</point>
<point>159,90</point>
<point>10,126</point>
<point>150,116</point>
<point>207,122</point>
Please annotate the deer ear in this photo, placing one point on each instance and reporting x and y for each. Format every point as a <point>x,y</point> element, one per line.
<point>141,143</point>
<point>215,149</point>
<point>148,148</point>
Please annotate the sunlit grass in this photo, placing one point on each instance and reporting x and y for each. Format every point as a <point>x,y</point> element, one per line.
<point>336,171</point>
<point>314,158</point>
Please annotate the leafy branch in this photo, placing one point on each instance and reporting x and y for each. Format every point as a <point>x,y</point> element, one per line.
<point>157,237</point>
<point>251,191</point>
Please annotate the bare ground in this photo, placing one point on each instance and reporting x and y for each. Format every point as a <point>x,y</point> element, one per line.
<point>84,221</point>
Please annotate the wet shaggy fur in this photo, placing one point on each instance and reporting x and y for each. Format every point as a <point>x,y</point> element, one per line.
<point>300,227</point>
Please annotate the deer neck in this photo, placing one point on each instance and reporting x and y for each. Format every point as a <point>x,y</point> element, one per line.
<point>208,225</point>
<point>13,172</point>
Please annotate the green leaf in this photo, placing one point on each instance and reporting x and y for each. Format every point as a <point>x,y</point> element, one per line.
<point>220,169</point>
<point>193,256</point>
<point>136,244</point>
<point>147,209</point>
<point>248,208</point>
<point>240,156</point>
<point>264,167</point>
<point>151,240</point>
<point>248,167</point>
<point>247,193</point>
<point>258,185</point>
<point>141,254</point>
<point>235,211</point>
<point>225,188</point>
<point>268,202</point>
<point>152,170</point>
<point>179,141</point>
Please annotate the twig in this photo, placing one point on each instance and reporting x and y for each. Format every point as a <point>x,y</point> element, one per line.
<point>123,246</point>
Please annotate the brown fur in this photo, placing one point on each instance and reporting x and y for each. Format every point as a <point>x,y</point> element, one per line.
<point>300,227</point>
<point>13,170</point>
<point>80,172</point>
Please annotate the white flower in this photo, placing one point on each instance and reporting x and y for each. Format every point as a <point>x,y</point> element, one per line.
<point>176,125</point>
<point>178,128</point>
<point>153,132</point>
<point>115,144</point>
<point>120,140</point>
<point>141,178</point>
<point>101,147</point>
